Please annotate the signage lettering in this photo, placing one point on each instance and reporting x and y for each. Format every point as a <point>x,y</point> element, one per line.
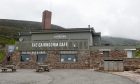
<point>60,36</point>
<point>50,44</point>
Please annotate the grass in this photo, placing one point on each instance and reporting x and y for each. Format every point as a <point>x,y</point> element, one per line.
<point>5,40</point>
<point>2,55</point>
<point>137,54</point>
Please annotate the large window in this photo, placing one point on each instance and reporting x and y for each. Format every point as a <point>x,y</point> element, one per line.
<point>25,57</point>
<point>68,57</point>
<point>41,58</point>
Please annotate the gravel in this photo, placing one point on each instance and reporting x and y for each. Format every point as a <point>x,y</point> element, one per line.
<point>129,74</point>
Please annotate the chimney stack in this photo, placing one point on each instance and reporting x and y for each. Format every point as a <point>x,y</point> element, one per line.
<point>46,20</point>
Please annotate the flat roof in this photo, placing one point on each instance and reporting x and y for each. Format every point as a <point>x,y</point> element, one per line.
<point>112,48</point>
<point>70,30</point>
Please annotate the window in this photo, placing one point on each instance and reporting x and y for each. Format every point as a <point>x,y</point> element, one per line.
<point>41,58</point>
<point>85,45</point>
<point>106,53</point>
<point>25,57</point>
<point>81,45</point>
<point>70,45</point>
<point>75,45</point>
<point>68,57</point>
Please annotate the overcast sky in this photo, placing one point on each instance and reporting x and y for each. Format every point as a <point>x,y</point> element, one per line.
<point>120,18</point>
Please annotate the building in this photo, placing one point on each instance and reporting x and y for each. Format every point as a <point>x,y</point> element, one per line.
<point>66,48</point>
<point>58,46</point>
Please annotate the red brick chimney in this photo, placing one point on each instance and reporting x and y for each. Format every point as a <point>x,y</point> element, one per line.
<point>46,20</point>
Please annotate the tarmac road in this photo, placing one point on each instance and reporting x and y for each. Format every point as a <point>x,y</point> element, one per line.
<point>61,76</point>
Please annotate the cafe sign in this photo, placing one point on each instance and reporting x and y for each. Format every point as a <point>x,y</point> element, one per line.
<point>50,44</point>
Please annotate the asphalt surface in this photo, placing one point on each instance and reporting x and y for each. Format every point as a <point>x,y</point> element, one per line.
<point>61,76</point>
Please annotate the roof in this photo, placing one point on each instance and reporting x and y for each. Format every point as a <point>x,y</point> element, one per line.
<point>112,47</point>
<point>69,30</point>
<point>24,33</point>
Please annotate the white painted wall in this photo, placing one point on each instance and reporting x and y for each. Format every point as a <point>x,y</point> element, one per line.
<point>129,54</point>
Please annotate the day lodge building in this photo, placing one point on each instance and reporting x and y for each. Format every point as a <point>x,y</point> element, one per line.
<point>73,48</point>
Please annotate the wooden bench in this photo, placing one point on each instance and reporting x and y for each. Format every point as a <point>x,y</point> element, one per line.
<point>39,69</point>
<point>42,68</point>
<point>4,69</point>
<point>13,70</point>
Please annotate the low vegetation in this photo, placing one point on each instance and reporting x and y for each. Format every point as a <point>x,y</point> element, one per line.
<point>7,40</point>
<point>137,55</point>
<point>2,55</point>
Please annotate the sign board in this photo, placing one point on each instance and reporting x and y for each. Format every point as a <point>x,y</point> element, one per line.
<point>11,48</point>
<point>50,44</point>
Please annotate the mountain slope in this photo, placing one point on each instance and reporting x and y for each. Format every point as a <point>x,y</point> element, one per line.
<point>9,29</point>
<point>14,26</point>
<point>118,41</point>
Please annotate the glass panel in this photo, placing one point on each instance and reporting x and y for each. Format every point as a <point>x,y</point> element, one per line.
<point>70,45</point>
<point>25,57</point>
<point>68,57</point>
<point>85,45</point>
<point>80,45</point>
<point>41,58</point>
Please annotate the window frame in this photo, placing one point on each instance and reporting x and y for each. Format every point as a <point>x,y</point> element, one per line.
<point>66,61</point>
<point>43,60</point>
<point>21,58</point>
<point>106,52</point>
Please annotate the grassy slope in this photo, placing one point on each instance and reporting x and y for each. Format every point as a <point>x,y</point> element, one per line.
<point>9,28</point>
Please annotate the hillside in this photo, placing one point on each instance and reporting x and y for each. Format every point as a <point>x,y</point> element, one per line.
<point>118,41</point>
<point>10,28</point>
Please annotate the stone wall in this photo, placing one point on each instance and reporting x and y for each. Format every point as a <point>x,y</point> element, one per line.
<point>96,59</point>
<point>16,59</point>
<point>53,59</point>
<point>28,65</point>
<point>82,61</point>
<point>86,59</point>
<point>118,54</point>
<point>131,63</point>
<point>31,64</point>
